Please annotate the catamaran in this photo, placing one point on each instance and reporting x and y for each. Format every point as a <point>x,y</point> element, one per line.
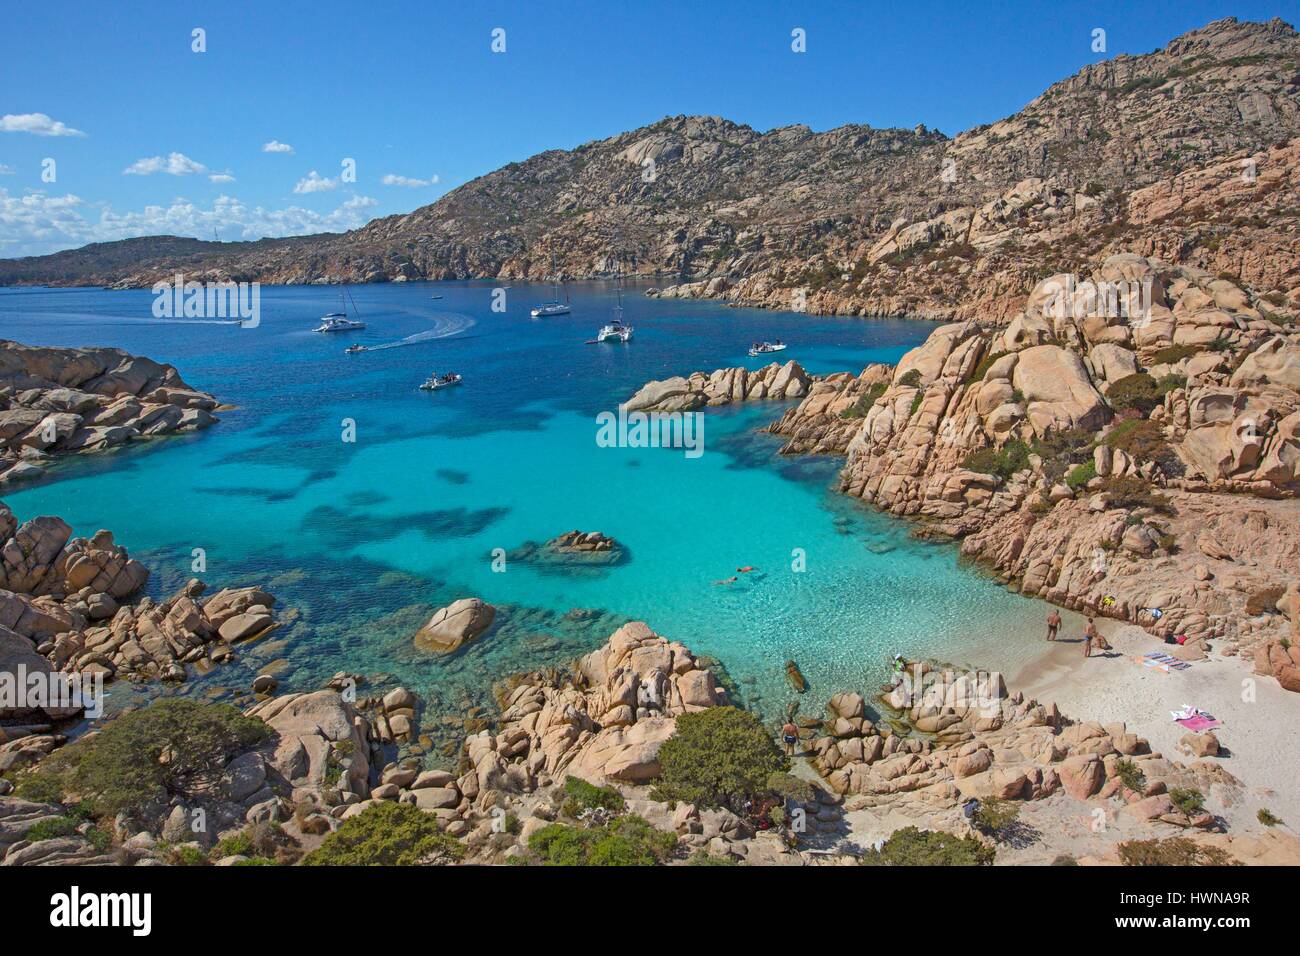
<point>436,381</point>
<point>555,306</point>
<point>763,348</point>
<point>615,330</point>
<point>339,321</point>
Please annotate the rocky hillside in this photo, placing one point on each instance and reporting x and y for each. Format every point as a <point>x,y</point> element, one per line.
<point>862,220</point>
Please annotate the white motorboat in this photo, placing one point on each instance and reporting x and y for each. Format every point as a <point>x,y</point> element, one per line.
<point>615,330</point>
<point>353,349</point>
<point>436,381</point>
<point>339,321</point>
<point>765,348</point>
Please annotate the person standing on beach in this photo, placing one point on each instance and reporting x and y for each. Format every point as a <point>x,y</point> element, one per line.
<point>1053,624</point>
<point>1089,635</point>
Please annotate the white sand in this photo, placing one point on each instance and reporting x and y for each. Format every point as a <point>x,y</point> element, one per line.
<point>1261,736</point>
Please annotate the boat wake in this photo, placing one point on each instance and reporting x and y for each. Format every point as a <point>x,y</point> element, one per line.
<point>444,326</point>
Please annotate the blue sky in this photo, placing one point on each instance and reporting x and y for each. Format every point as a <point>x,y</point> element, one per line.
<point>413,90</point>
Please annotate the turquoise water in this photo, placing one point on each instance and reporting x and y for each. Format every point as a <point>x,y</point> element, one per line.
<point>361,540</point>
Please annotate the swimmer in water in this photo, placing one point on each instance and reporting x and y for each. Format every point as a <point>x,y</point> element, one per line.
<point>746,569</point>
<point>730,580</point>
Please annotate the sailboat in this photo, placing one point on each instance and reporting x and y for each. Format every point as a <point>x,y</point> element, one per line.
<point>616,329</point>
<point>555,306</point>
<point>339,321</point>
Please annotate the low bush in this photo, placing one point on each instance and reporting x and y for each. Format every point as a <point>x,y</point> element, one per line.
<point>720,757</point>
<point>1138,391</point>
<point>1002,462</point>
<point>386,834</point>
<point>1176,851</point>
<point>146,755</point>
<point>979,371</point>
<point>914,847</point>
<point>863,405</point>
<point>1189,800</point>
<point>579,795</point>
<point>1144,441</point>
<point>1080,475</point>
<point>1130,775</point>
<point>1126,491</point>
<point>995,816</point>
<point>625,841</point>
<point>1173,354</point>
<point>1268,818</point>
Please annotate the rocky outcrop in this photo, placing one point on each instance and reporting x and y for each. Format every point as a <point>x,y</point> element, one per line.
<point>454,626</point>
<point>71,604</point>
<point>1084,448</point>
<point>55,401</point>
<point>722,387</point>
<point>949,736</point>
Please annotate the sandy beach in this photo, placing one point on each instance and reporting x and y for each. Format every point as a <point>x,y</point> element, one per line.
<point>1261,721</point>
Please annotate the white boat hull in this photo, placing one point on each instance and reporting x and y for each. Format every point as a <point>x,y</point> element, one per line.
<point>542,311</point>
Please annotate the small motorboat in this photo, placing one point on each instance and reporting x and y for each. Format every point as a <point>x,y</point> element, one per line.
<point>437,381</point>
<point>435,297</point>
<point>765,348</point>
<point>353,349</point>
<point>615,330</point>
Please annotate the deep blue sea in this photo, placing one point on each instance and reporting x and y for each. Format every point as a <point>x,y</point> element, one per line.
<point>361,540</point>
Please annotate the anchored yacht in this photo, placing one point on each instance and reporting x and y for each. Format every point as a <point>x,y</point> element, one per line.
<point>339,321</point>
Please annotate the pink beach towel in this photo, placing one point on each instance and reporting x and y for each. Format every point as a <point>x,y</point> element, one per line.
<point>1199,723</point>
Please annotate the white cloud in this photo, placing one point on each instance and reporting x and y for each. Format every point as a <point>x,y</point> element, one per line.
<point>175,164</point>
<point>221,178</point>
<point>392,179</point>
<point>6,170</point>
<point>36,224</point>
<point>315,183</point>
<point>37,124</point>
<point>275,146</point>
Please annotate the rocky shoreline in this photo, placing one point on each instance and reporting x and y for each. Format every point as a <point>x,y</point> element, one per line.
<point>1142,467</point>
<point>57,401</point>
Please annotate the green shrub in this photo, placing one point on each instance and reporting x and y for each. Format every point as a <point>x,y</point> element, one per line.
<point>789,787</point>
<point>386,834</point>
<point>51,829</point>
<point>1138,391</point>
<point>581,795</point>
<point>979,371</point>
<point>1173,354</point>
<point>1002,462</point>
<point>1080,475</point>
<point>916,402</point>
<point>624,841</point>
<point>911,378</point>
<point>913,847</point>
<point>1064,859</point>
<point>1126,491</point>
<point>1189,800</point>
<point>995,816</point>
<point>720,757</point>
<point>1145,441</point>
<point>1130,775</point>
<point>863,405</point>
<point>149,754</point>
<point>1177,851</point>
<point>1267,817</point>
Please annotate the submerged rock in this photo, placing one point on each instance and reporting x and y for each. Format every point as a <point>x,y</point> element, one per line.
<point>455,625</point>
